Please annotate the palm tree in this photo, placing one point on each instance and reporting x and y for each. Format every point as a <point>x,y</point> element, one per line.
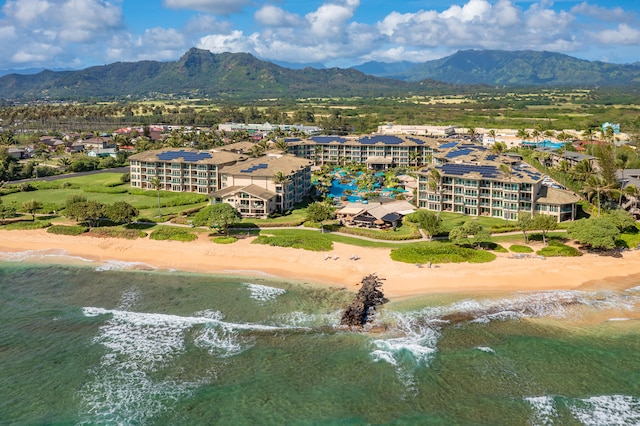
<point>595,185</point>
<point>492,135</point>
<point>414,158</point>
<point>281,145</point>
<point>156,183</point>
<point>583,170</point>
<point>535,133</point>
<point>435,185</point>
<point>256,151</point>
<point>523,134</point>
<point>472,133</point>
<point>280,179</point>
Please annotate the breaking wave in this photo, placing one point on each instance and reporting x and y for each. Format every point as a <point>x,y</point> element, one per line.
<point>413,338</point>
<point>34,255</point>
<point>604,410</point>
<point>264,293</point>
<point>135,382</point>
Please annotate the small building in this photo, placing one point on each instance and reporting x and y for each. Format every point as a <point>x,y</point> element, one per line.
<point>374,215</point>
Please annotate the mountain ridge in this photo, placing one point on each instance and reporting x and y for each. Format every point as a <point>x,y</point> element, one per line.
<point>203,74</point>
<point>515,68</point>
<point>242,76</point>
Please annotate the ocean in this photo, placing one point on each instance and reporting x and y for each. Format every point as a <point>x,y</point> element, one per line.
<point>117,343</point>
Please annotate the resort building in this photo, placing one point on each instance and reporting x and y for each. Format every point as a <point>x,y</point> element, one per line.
<point>571,158</point>
<point>180,170</point>
<point>261,186</point>
<point>267,127</point>
<point>396,129</point>
<point>471,180</point>
<point>378,152</point>
<point>257,187</point>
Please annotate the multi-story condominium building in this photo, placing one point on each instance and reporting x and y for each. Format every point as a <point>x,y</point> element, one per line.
<point>267,127</point>
<point>402,129</point>
<point>181,170</point>
<point>471,180</point>
<point>257,187</point>
<point>377,151</point>
<point>264,185</point>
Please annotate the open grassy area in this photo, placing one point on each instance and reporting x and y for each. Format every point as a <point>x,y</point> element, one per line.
<point>451,220</point>
<point>313,241</point>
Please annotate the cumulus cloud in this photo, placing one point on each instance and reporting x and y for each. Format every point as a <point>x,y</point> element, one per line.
<point>223,7</point>
<point>47,28</point>
<point>235,41</point>
<point>41,32</point>
<point>617,14</point>
<point>623,34</point>
<point>273,16</point>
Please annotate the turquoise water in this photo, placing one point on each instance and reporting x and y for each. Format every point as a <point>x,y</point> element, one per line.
<point>102,344</point>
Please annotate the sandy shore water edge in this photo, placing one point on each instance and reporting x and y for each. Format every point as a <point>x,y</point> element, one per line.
<point>589,272</point>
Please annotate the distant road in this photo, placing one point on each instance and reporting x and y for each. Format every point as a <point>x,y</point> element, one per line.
<point>68,175</point>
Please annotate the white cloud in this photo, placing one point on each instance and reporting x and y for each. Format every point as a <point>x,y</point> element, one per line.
<point>235,41</point>
<point>223,7</point>
<point>202,24</point>
<point>51,31</point>
<point>623,34</point>
<point>63,32</point>
<point>617,14</point>
<point>273,16</point>
<point>330,19</point>
<point>34,53</point>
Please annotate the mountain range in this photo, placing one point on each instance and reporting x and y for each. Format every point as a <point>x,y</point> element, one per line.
<point>200,73</point>
<point>510,68</point>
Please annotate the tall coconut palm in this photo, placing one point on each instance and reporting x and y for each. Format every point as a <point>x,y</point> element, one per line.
<point>595,185</point>
<point>281,145</point>
<point>434,181</point>
<point>523,134</point>
<point>155,182</point>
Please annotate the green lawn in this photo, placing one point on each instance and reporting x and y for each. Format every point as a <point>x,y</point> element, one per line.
<point>58,196</point>
<point>451,220</point>
<point>99,179</point>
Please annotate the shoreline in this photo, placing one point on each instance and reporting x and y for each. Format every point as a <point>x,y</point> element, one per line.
<point>401,281</point>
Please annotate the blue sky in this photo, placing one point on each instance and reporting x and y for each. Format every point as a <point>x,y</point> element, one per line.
<point>81,33</point>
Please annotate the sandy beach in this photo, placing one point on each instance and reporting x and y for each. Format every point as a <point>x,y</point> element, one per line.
<point>401,280</point>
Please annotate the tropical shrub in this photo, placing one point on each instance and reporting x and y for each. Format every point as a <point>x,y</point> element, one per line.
<point>516,248</point>
<point>173,234</point>
<point>224,240</point>
<point>557,249</point>
<point>440,253</point>
<point>67,230</point>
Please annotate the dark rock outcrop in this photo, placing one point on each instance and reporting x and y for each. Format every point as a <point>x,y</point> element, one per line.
<point>361,310</point>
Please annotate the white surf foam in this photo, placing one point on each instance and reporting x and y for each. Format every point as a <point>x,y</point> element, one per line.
<point>604,410</point>
<point>607,410</point>
<point>485,349</point>
<point>556,304</point>
<point>117,265</point>
<point>27,255</point>
<point>545,412</point>
<point>264,293</point>
<point>140,347</point>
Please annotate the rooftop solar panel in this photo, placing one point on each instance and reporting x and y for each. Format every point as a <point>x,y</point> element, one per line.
<point>449,145</point>
<point>187,156</point>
